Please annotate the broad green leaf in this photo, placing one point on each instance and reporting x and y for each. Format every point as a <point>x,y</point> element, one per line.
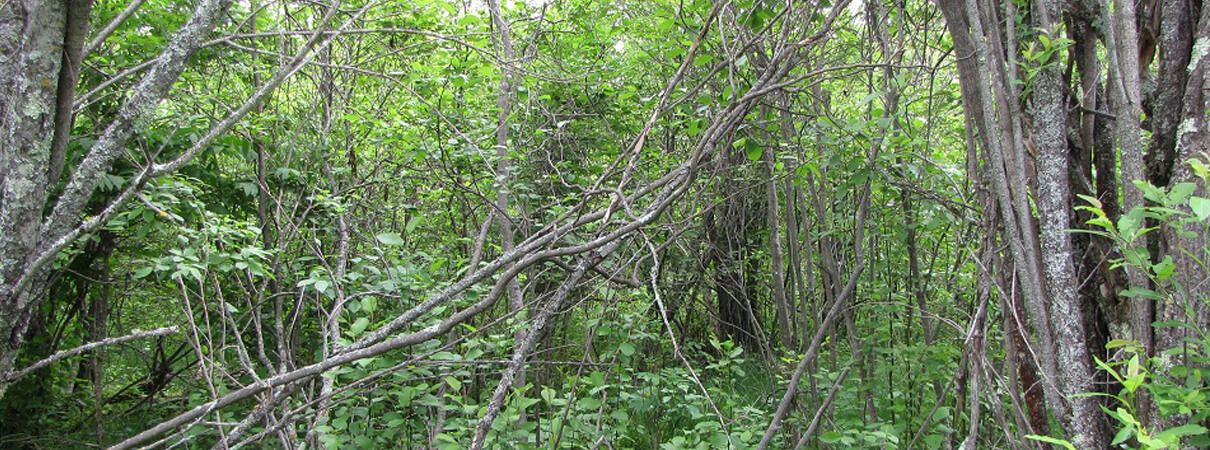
<point>1130,223</point>
<point>1122,435</point>
<point>1165,268</point>
<point>1200,207</point>
<point>753,150</point>
<point>392,239</point>
<point>1180,192</point>
<point>1149,191</point>
<point>454,383</point>
<point>142,273</point>
<point>941,414</point>
<point>830,437</point>
<point>359,325</point>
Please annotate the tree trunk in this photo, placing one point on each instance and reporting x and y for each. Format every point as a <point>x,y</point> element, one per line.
<point>1043,254</point>
<point>1187,244</point>
<point>776,262</point>
<point>27,124</point>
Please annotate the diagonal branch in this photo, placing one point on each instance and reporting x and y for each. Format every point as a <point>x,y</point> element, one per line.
<point>14,376</point>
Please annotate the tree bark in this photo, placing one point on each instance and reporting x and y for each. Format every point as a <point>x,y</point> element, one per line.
<point>1042,254</point>
<point>28,123</point>
<point>1187,243</point>
<point>28,238</point>
<point>776,262</point>
<point>1054,211</point>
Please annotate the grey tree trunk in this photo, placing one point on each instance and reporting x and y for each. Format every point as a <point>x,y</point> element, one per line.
<point>1188,246</point>
<point>33,39</point>
<point>777,264</point>
<point>1018,144</point>
<point>1054,212</point>
<point>28,124</point>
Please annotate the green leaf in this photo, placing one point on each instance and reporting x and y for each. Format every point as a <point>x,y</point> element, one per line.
<point>626,348</point>
<point>1199,167</point>
<point>1124,416</point>
<point>1181,431</point>
<point>1130,223</point>
<point>359,325</point>
<point>1165,268</point>
<point>1122,435</point>
<point>831,437</point>
<point>1200,441</point>
<point>411,226</point>
<point>1181,191</point>
<point>1048,439</point>
<point>942,414</point>
<point>1134,375</point>
<point>142,273</point>
<point>1092,201</point>
<point>1118,343</point>
<point>934,441</point>
<point>392,239</point>
<point>1149,191</point>
<point>454,383</point>
<point>1201,207</point>
<point>753,150</point>
<point>1137,292</point>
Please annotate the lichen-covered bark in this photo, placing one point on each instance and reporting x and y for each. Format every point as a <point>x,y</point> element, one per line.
<point>1175,42</point>
<point>1125,90</point>
<point>1043,255</point>
<point>1192,139</point>
<point>998,136</point>
<point>12,20</point>
<point>28,119</point>
<point>134,114</point>
<point>1054,215</point>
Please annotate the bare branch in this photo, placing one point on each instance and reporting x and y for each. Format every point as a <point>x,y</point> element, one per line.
<point>136,334</point>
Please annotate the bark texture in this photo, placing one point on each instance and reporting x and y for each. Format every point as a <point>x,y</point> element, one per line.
<point>31,115</point>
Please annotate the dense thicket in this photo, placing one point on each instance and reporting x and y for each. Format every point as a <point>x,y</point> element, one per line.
<point>434,224</point>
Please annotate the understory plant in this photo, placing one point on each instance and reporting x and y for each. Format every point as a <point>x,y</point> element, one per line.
<point>1174,381</point>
